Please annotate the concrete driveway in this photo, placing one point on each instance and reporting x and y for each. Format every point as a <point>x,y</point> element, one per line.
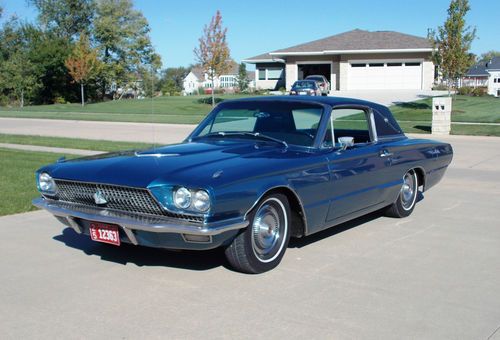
<point>434,275</point>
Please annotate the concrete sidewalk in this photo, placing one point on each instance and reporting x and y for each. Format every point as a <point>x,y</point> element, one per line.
<point>113,131</point>
<point>50,149</point>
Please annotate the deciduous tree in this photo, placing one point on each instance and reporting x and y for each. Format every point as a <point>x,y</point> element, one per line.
<point>122,36</point>
<point>83,63</point>
<point>452,43</point>
<point>66,18</point>
<point>213,52</point>
<point>487,56</point>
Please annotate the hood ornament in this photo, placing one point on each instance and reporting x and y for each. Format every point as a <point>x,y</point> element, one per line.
<point>99,198</point>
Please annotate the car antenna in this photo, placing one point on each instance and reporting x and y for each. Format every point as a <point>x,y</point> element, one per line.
<point>152,106</point>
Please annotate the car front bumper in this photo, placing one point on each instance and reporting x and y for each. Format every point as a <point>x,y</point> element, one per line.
<point>150,231</point>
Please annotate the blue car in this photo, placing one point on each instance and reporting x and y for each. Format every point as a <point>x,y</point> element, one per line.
<point>253,174</point>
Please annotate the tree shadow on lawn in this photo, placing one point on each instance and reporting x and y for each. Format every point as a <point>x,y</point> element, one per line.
<point>413,105</point>
<point>143,256</point>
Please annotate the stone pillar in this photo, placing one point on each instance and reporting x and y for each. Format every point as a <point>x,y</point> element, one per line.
<point>441,115</point>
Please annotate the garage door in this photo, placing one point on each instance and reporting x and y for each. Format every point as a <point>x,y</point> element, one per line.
<point>375,75</point>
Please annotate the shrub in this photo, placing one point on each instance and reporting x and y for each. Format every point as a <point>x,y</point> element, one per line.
<point>208,100</point>
<point>465,90</point>
<point>59,100</point>
<point>479,92</point>
<point>440,87</point>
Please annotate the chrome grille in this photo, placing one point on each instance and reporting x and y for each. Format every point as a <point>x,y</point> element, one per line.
<point>126,199</point>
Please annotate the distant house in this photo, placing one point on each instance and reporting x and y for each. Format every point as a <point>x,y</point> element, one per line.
<point>484,74</point>
<point>353,60</point>
<point>197,78</point>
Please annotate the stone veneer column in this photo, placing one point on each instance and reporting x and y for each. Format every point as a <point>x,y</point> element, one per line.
<point>441,116</point>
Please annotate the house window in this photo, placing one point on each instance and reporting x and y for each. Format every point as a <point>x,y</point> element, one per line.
<point>274,73</point>
<point>377,65</point>
<point>394,64</point>
<point>262,74</point>
<point>412,64</point>
<point>358,65</point>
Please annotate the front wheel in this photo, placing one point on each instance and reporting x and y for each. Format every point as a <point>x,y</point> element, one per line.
<point>405,203</point>
<point>262,245</point>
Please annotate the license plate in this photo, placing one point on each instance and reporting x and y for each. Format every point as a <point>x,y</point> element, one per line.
<point>302,93</point>
<point>106,233</point>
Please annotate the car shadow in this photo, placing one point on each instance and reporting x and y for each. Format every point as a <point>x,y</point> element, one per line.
<point>304,241</point>
<point>143,256</point>
<point>187,259</point>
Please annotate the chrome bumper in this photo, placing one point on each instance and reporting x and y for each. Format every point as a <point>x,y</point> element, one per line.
<point>129,222</point>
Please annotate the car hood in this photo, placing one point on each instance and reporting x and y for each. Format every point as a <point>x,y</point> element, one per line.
<point>196,162</point>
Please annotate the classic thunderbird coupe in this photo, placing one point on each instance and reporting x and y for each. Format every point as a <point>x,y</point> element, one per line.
<point>254,173</point>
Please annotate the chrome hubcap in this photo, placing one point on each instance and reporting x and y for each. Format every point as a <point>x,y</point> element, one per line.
<point>268,229</point>
<point>408,190</point>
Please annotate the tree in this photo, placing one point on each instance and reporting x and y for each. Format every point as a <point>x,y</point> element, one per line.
<point>122,36</point>
<point>83,64</point>
<point>452,43</point>
<point>213,51</point>
<point>66,18</point>
<point>18,76</point>
<point>242,77</point>
<point>172,80</point>
<point>487,56</point>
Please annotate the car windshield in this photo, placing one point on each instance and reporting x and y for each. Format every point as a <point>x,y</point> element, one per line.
<point>294,123</point>
<point>305,84</point>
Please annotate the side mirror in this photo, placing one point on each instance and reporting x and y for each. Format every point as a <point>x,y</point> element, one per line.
<point>346,142</point>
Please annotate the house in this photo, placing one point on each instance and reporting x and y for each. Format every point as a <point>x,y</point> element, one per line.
<point>484,74</point>
<point>353,60</point>
<point>197,78</point>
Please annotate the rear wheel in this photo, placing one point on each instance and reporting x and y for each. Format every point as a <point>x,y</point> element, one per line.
<point>405,203</point>
<point>262,245</point>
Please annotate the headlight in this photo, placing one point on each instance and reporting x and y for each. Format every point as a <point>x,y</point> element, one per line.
<point>182,198</point>
<point>46,183</point>
<point>201,200</point>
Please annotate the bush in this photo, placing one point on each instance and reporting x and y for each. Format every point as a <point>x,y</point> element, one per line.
<point>59,100</point>
<point>208,100</point>
<point>479,92</point>
<point>440,87</point>
<point>465,90</point>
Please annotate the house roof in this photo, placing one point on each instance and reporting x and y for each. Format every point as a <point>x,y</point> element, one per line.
<point>200,74</point>
<point>482,68</point>
<point>355,41</point>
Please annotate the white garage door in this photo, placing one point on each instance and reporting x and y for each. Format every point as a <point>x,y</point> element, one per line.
<point>378,75</point>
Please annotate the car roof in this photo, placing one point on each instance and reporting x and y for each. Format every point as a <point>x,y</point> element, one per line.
<point>328,100</point>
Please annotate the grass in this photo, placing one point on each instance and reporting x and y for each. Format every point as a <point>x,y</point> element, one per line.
<point>414,117</point>
<point>17,178</point>
<point>174,110</point>
<point>84,144</point>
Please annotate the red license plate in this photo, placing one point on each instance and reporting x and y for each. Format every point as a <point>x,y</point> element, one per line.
<point>106,233</point>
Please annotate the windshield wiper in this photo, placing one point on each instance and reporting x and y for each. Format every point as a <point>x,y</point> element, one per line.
<point>250,134</point>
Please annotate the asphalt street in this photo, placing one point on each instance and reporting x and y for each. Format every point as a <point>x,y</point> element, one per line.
<point>434,275</point>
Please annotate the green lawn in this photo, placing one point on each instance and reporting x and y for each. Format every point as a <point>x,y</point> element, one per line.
<point>175,109</point>
<point>413,117</point>
<point>17,178</point>
<point>85,144</point>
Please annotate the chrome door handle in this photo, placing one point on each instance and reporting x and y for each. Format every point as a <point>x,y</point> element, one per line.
<point>385,153</point>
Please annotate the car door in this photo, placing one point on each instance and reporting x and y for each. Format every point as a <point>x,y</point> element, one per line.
<point>356,172</point>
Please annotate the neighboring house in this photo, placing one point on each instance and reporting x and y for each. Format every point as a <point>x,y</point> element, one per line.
<point>484,74</point>
<point>354,60</point>
<point>197,78</point>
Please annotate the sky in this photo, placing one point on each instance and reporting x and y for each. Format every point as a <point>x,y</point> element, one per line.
<point>262,26</point>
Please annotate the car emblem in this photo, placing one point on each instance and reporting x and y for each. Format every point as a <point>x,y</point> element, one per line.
<point>99,198</point>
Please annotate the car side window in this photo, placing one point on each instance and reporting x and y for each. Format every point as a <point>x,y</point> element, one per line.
<point>347,122</point>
